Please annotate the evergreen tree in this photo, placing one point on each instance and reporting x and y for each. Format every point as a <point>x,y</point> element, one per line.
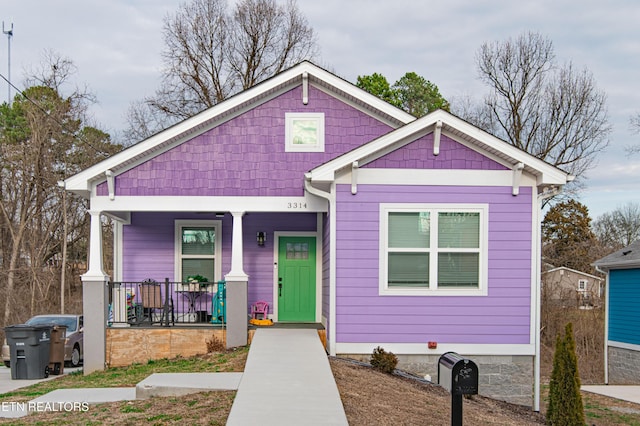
<point>412,93</point>
<point>565,401</point>
<point>567,236</point>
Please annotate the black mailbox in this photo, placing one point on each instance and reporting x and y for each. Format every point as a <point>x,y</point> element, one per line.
<point>457,375</point>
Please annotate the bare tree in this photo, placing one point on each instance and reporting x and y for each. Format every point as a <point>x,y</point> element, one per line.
<point>211,54</point>
<point>619,228</point>
<point>634,123</point>
<point>43,138</point>
<point>555,113</point>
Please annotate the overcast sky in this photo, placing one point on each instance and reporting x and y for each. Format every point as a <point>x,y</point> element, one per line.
<point>116,46</point>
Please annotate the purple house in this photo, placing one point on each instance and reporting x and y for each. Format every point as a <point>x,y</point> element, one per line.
<point>417,235</point>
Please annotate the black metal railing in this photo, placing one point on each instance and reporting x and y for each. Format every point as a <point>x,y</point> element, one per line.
<point>166,303</point>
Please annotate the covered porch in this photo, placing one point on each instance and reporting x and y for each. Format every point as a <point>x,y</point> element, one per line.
<point>178,317</point>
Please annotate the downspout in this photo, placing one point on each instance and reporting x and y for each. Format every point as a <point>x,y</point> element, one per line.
<point>536,363</point>
<point>606,324</point>
<point>330,197</point>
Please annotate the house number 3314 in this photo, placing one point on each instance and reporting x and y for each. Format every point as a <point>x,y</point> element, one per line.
<point>296,205</point>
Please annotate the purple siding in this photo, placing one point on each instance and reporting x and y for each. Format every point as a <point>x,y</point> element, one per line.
<point>245,156</point>
<point>419,155</point>
<point>148,246</point>
<point>502,317</point>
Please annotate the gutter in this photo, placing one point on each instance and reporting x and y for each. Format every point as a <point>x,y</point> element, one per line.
<point>606,323</point>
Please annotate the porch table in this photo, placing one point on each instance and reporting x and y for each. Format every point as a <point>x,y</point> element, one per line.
<point>192,297</point>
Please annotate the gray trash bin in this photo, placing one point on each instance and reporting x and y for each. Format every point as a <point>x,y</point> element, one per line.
<point>29,347</point>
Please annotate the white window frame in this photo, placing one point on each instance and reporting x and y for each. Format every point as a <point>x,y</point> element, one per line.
<point>582,285</point>
<point>434,209</point>
<point>289,131</point>
<point>217,256</point>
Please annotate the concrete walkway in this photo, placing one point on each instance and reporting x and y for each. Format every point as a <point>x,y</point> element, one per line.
<point>287,381</point>
<point>624,392</point>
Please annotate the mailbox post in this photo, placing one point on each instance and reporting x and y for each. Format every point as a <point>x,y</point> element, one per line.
<point>459,376</point>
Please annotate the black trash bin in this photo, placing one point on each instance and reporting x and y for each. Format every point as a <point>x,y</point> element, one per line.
<point>29,347</point>
<point>56,352</point>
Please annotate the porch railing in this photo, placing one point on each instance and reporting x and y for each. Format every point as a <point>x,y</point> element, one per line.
<point>166,303</point>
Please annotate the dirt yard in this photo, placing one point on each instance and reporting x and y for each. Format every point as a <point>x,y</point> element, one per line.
<point>369,397</point>
<point>373,398</point>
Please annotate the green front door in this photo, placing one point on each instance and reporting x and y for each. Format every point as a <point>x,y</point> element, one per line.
<point>297,279</point>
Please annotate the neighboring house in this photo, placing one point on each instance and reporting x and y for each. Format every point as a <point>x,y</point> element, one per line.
<point>418,235</point>
<point>622,329</point>
<point>568,287</point>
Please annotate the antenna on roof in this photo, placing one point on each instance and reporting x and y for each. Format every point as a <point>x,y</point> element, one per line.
<point>9,34</point>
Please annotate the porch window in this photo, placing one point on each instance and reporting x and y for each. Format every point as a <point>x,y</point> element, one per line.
<point>433,249</point>
<point>197,250</point>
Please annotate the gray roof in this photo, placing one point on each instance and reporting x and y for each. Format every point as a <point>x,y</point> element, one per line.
<point>628,257</point>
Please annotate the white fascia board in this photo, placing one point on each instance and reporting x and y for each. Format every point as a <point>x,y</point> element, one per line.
<point>308,203</point>
<point>422,348</point>
<point>623,345</point>
<point>619,265</point>
<point>411,131</point>
<point>546,173</point>
<point>362,95</point>
<point>81,182</point>
<point>564,268</point>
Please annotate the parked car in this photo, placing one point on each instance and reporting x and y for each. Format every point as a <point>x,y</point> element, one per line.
<point>73,346</point>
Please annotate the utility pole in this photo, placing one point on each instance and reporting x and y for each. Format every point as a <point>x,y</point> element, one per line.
<point>9,34</point>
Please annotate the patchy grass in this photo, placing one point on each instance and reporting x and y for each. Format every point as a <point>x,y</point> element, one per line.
<point>369,398</point>
<point>228,361</point>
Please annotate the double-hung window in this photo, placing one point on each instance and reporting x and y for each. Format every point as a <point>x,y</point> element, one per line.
<point>197,247</point>
<point>433,249</point>
<point>582,285</point>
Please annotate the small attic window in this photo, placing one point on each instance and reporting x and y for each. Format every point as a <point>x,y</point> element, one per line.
<point>304,132</point>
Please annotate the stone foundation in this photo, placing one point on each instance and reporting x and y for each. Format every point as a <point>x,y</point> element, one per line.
<point>623,366</point>
<point>126,346</point>
<point>506,378</point>
<point>129,345</point>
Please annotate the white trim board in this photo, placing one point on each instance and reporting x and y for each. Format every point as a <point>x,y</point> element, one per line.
<point>422,349</point>
<point>307,203</point>
<point>622,345</point>
<point>440,177</point>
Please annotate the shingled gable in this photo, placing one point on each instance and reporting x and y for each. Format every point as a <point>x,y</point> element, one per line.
<point>303,73</point>
<point>442,122</point>
<point>628,257</point>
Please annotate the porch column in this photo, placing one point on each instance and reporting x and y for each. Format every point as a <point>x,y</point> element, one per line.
<point>237,281</point>
<point>94,301</point>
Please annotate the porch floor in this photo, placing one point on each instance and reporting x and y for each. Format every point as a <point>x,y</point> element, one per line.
<point>300,325</point>
<point>287,380</point>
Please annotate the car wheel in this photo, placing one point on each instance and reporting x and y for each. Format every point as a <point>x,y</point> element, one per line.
<point>75,356</point>
<point>7,364</point>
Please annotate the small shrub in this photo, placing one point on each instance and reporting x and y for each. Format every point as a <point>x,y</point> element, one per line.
<point>565,406</point>
<point>215,345</point>
<point>383,361</point>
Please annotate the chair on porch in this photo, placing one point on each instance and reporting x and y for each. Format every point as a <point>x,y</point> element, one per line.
<point>260,308</point>
<point>152,302</point>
